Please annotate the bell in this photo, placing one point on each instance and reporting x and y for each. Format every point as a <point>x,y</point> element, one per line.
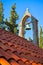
<point>28,27</point>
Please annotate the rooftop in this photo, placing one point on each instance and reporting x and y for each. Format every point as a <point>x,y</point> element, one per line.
<point>15,50</point>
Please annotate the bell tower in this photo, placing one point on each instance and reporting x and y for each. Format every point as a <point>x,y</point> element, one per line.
<point>34,22</point>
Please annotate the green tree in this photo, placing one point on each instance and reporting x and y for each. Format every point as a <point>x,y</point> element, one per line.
<point>9,25</point>
<point>1,12</point>
<point>2,25</point>
<point>41,38</point>
<point>13,18</point>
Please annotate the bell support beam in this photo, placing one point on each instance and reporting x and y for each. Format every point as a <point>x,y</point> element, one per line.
<point>21,31</point>
<point>35,30</point>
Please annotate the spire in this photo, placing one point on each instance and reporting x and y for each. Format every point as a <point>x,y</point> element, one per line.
<point>27,9</point>
<point>27,12</point>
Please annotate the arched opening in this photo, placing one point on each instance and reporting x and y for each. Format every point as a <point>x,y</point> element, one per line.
<point>27,32</point>
<point>23,25</point>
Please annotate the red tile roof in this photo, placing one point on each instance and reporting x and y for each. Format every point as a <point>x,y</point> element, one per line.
<point>15,50</point>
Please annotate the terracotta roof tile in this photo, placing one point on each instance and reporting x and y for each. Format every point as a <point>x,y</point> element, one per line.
<point>3,62</point>
<point>24,59</point>
<point>15,50</point>
<point>13,62</point>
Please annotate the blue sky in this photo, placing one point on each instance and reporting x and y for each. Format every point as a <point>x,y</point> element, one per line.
<point>35,7</point>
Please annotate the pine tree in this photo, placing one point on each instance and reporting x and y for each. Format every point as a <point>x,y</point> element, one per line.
<point>9,25</point>
<point>1,12</point>
<point>13,18</point>
<point>2,25</point>
<point>41,38</point>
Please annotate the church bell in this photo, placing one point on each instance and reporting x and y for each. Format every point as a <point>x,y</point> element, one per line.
<point>28,27</point>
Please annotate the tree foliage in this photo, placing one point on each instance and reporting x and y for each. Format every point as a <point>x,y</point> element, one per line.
<point>2,25</point>
<point>41,38</point>
<point>1,12</point>
<point>13,18</point>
